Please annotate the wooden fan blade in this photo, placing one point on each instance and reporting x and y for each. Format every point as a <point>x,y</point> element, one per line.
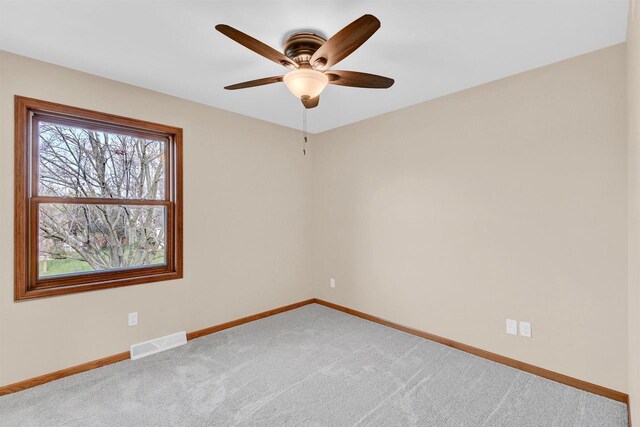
<point>254,83</point>
<point>256,45</point>
<point>344,42</point>
<point>311,102</point>
<point>356,79</point>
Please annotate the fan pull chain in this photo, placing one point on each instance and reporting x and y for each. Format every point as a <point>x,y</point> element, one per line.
<point>304,131</point>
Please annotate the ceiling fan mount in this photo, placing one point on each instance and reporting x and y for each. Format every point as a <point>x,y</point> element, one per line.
<point>301,46</point>
<point>310,57</point>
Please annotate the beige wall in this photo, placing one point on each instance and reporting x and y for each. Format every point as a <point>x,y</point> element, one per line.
<point>246,230</point>
<point>505,200</point>
<point>633,91</point>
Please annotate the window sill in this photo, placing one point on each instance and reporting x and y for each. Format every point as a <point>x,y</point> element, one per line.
<point>34,293</point>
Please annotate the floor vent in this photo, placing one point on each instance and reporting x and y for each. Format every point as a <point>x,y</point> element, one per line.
<point>157,345</point>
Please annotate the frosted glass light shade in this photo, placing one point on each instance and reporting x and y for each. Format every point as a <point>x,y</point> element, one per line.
<point>305,82</point>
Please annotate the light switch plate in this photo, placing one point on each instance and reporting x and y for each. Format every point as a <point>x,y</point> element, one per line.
<point>332,282</point>
<point>525,329</point>
<point>512,327</point>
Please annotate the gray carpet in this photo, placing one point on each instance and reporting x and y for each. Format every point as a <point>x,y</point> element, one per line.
<point>310,366</point>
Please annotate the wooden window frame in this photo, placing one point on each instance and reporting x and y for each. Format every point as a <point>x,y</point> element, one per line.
<point>27,285</point>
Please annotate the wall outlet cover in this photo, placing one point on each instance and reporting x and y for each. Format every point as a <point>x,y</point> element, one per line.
<point>512,327</point>
<point>525,329</point>
<point>332,282</point>
<point>133,318</point>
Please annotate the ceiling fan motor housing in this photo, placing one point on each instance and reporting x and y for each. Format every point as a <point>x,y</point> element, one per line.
<point>301,46</point>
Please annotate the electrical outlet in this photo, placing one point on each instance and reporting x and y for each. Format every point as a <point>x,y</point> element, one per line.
<point>525,329</point>
<point>332,283</point>
<point>133,318</point>
<point>512,327</point>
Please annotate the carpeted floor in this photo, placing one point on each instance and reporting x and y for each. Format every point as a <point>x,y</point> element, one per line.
<point>310,366</point>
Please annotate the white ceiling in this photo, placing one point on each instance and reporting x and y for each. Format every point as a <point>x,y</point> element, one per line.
<point>431,48</point>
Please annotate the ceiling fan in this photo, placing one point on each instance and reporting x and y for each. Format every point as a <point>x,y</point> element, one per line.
<point>310,57</point>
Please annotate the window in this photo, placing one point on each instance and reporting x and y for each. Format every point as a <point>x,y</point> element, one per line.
<point>97,200</point>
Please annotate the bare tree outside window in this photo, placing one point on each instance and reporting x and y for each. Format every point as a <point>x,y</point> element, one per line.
<point>83,163</point>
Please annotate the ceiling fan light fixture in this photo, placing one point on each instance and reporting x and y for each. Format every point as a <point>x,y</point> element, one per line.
<point>305,83</point>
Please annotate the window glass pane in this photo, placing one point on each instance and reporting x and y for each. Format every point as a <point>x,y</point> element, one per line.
<point>77,162</point>
<point>93,238</point>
